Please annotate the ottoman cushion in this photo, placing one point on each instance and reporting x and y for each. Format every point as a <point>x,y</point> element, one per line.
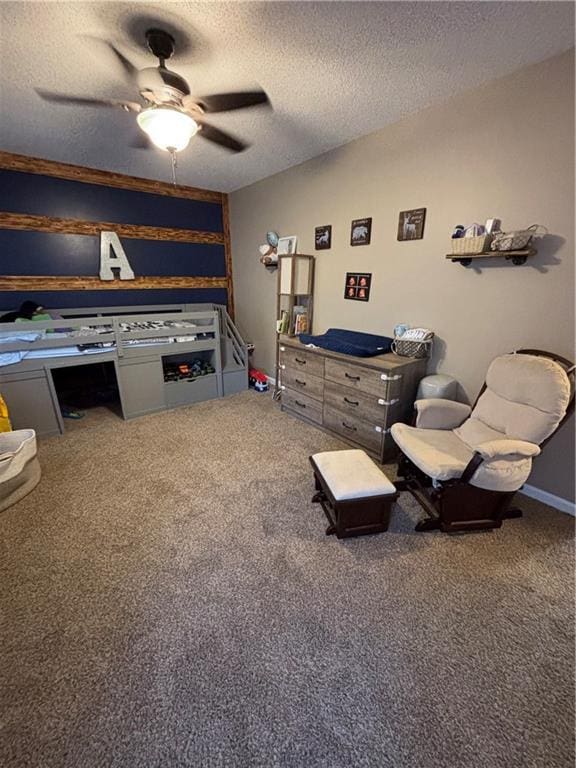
<point>352,475</point>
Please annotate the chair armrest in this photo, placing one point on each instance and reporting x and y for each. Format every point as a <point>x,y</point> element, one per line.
<point>440,414</point>
<point>495,449</point>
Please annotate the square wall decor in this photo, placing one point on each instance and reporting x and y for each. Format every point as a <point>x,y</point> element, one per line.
<point>323,237</point>
<point>411,224</point>
<point>357,286</point>
<point>360,232</point>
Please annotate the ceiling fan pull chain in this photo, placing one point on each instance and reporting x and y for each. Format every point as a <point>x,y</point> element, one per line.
<point>174,164</point>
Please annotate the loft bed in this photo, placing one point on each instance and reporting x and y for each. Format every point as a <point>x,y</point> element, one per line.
<point>144,344</point>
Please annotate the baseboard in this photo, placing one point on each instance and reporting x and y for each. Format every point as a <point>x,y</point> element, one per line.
<point>563,505</point>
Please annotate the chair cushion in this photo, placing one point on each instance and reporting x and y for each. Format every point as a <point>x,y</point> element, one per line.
<point>525,398</point>
<point>439,453</point>
<point>474,432</point>
<point>442,455</point>
<point>352,475</point>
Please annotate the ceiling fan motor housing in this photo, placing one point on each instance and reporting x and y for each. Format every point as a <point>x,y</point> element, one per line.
<point>161,43</point>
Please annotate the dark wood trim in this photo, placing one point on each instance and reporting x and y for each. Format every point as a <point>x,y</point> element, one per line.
<point>228,254</point>
<point>51,283</point>
<point>77,227</point>
<point>25,164</point>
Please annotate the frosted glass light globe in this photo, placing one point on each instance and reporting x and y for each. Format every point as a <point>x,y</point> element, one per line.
<point>167,128</point>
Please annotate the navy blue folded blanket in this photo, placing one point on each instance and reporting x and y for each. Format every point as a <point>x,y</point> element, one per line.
<point>349,342</point>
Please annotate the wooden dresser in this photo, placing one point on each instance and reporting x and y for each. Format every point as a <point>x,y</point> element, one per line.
<point>356,398</point>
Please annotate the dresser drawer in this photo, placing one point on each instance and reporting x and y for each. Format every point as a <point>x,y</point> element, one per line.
<point>302,381</point>
<point>370,380</point>
<point>302,405</point>
<point>362,432</point>
<point>361,405</point>
<point>300,360</point>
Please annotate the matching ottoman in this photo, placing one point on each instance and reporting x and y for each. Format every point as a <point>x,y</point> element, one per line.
<point>356,496</point>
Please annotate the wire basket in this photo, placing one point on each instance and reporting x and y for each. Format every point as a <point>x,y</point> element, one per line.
<point>518,240</point>
<point>464,245</point>
<point>406,348</point>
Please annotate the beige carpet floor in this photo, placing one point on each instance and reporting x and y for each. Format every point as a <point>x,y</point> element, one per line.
<point>169,598</point>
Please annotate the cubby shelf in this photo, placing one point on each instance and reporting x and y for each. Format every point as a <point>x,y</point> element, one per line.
<point>516,257</point>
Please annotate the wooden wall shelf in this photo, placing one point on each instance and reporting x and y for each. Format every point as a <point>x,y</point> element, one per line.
<point>516,257</point>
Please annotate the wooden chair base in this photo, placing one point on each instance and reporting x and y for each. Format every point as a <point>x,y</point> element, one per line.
<point>455,507</point>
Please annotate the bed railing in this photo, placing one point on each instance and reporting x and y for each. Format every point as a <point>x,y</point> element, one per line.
<point>90,330</point>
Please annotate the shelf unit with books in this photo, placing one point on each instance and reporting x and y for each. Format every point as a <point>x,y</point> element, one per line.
<point>294,299</point>
<point>294,302</point>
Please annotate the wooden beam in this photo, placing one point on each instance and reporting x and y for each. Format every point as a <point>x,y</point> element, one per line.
<point>25,164</point>
<point>77,227</point>
<point>228,255</point>
<point>51,283</point>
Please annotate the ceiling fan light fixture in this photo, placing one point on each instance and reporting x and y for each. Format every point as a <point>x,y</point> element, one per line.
<point>167,127</point>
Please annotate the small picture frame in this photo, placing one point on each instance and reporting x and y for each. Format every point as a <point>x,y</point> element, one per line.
<point>287,245</point>
<point>411,224</point>
<point>357,287</point>
<point>361,231</point>
<point>323,237</point>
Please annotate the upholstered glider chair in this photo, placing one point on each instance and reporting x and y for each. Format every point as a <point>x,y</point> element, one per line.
<point>464,464</point>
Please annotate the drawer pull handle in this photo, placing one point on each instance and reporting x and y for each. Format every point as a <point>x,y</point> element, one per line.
<point>299,361</point>
<point>300,382</point>
<point>351,402</point>
<point>299,404</point>
<point>353,378</point>
<point>349,426</point>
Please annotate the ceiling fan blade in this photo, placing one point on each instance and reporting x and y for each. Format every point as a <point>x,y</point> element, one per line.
<point>60,98</point>
<point>139,140</point>
<point>216,136</point>
<point>126,64</point>
<point>225,102</point>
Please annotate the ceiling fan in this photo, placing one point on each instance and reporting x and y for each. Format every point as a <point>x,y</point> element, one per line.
<point>169,114</point>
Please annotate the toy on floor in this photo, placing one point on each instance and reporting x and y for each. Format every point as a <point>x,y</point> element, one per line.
<point>257,380</point>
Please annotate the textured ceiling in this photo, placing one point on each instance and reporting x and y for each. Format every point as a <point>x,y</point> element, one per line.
<point>334,71</point>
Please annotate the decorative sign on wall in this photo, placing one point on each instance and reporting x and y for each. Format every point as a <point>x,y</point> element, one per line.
<point>323,237</point>
<point>360,232</point>
<point>357,286</point>
<point>113,256</point>
<point>411,224</point>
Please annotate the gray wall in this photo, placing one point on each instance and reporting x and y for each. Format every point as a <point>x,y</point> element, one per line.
<point>507,150</point>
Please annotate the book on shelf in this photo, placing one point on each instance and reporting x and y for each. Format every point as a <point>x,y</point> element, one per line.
<point>283,323</point>
<point>300,323</point>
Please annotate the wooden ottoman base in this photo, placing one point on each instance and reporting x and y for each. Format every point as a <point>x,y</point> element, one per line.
<point>353,516</point>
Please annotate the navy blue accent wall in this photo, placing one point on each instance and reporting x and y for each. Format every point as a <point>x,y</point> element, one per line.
<point>49,196</point>
<point>116,298</point>
<point>48,253</point>
<point>30,253</point>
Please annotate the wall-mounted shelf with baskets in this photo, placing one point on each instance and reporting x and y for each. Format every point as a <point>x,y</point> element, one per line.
<point>516,257</point>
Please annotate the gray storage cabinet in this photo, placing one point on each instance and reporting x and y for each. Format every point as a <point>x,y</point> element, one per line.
<point>32,401</point>
<point>141,386</point>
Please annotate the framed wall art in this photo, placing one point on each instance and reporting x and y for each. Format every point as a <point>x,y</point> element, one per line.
<point>411,224</point>
<point>357,286</point>
<point>323,237</point>
<point>287,245</point>
<point>360,232</point>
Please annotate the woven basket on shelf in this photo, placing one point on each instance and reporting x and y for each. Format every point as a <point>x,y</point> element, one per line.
<point>407,348</point>
<point>463,245</point>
